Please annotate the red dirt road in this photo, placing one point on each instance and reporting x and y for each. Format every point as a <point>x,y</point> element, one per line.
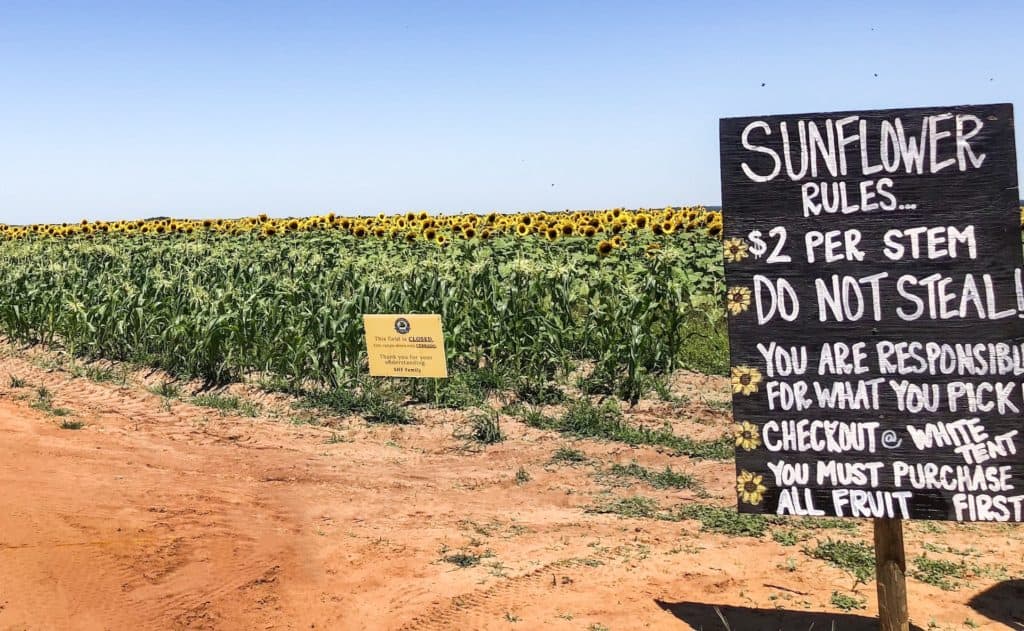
<point>164,515</point>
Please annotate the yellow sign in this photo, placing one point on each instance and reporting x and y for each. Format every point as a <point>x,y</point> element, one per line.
<point>410,345</point>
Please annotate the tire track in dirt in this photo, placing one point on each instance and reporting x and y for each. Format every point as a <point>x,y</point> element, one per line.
<point>174,575</point>
<point>183,518</point>
<point>136,408</point>
<point>479,609</point>
<point>201,546</point>
<point>82,559</point>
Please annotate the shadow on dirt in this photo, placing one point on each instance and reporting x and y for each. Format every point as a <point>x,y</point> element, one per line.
<point>1003,602</point>
<point>706,617</point>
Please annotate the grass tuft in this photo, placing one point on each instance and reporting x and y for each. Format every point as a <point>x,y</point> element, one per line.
<point>666,479</point>
<point>569,456</point>
<point>44,403</point>
<point>636,507</point>
<point>786,537</point>
<point>459,391</point>
<point>335,438</point>
<point>485,427</point>
<point>522,476</point>
<point>166,389</point>
<point>846,602</point>
<point>945,575</point>
<point>726,521</point>
<point>585,419</point>
<point>538,392</point>
<point>464,558</point>
<point>227,404</point>
<point>374,404</point>
<point>853,556</point>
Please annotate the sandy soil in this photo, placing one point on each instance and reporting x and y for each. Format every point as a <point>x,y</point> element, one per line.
<point>160,514</point>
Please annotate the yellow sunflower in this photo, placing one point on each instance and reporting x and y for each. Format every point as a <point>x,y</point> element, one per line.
<point>735,250</point>
<point>747,436</point>
<point>750,487</point>
<point>738,300</point>
<point>745,380</point>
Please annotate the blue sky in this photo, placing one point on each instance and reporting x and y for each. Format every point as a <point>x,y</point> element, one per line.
<point>136,109</point>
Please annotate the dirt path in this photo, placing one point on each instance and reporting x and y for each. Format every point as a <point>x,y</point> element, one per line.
<point>161,514</point>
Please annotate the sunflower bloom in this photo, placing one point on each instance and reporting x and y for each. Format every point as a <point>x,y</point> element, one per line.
<point>738,300</point>
<point>750,487</point>
<point>735,250</point>
<point>745,380</point>
<point>747,436</point>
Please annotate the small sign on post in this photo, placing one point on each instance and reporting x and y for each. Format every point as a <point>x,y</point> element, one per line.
<point>405,345</point>
<point>876,319</point>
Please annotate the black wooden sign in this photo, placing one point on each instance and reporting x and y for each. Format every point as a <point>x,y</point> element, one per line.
<point>876,313</point>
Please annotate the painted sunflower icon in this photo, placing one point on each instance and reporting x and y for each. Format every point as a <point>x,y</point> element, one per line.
<point>735,250</point>
<point>750,487</point>
<point>738,300</point>
<point>747,436</point>
<point>745,380</point>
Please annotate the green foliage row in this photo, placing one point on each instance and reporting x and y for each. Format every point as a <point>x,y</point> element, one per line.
<point>221,308</point>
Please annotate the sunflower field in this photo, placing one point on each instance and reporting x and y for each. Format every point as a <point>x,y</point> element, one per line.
<point>526,298</point>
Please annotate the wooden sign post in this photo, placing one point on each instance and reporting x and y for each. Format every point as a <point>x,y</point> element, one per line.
<point>891,575</point>
<point>876,320</point>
